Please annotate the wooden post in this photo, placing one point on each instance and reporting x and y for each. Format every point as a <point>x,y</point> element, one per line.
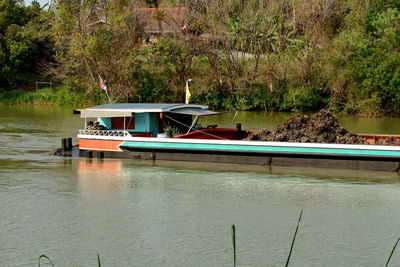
<point>238,127</point>
<point>64,144</point>
<point>69,144</point>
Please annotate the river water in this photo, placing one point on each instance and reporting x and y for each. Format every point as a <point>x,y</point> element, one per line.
<point>140,213</point>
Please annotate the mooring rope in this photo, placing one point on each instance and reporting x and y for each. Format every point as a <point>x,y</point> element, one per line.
<point>196,129</point>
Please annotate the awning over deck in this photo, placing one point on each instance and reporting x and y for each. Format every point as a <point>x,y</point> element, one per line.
<point>195,112</point>
<point>127,110</point>
<point>88,113</point>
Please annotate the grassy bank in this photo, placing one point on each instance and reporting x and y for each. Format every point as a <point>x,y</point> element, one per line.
<point>61,96</point>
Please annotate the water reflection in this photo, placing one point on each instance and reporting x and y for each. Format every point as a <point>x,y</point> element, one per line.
<point>307,174</point>
<point>96,175</point>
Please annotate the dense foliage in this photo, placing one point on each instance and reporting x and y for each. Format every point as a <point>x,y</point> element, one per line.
<point>25,38</point>
<point>260,54</point>
<point>368,60</point>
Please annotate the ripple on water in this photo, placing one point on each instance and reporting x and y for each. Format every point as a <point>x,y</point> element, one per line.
<point>13,131</point>
<point>179,214</point>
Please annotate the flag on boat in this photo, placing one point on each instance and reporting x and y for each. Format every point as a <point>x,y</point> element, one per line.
<point>188,95</point>
<point>102,84</point>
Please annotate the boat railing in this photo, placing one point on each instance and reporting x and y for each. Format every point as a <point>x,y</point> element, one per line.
<point>105,133</point>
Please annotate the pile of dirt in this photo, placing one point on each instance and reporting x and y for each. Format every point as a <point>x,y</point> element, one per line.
<point>388,141</point>
<point>321,127</point>
<point>95,126</point>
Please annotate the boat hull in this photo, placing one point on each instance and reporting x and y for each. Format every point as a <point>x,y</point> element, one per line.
<point>358,157</point>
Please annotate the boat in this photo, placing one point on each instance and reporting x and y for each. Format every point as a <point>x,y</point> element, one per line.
<point>143,131</point>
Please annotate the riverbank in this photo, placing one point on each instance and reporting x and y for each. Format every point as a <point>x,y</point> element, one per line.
<point>72,93</point>
<point>59,96</point>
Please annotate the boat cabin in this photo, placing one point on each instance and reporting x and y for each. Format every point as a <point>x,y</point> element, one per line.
<point>152,120</point>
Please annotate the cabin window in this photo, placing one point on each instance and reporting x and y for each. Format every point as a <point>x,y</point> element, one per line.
<point>118,123</point>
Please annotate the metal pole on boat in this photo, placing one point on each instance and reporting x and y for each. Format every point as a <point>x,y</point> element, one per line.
<point>193,124</point>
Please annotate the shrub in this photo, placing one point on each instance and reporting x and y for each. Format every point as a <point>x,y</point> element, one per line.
<point>302,98</point>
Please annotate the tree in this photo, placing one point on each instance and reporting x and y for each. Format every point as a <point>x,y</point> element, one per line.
<point>25,40</point>
<point>96,38</point>
<point>368,60</point>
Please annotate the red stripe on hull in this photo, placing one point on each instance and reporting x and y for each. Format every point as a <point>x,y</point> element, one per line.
<point>95,144</point>
<point>210,133</point>
<point>373,138</point>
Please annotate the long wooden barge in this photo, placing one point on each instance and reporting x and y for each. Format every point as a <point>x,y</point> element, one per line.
<point>137,131</point>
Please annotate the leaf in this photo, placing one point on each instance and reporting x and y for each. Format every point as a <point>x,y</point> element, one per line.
<point>44,256</point>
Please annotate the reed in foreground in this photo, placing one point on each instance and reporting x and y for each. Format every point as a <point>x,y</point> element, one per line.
<point>234,244</point>
<point>233,235</point>
<point>45,257</point>
<point>391,253</point>
<point>294,239</point>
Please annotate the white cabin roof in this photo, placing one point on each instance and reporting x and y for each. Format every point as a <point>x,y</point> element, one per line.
<point>127,109</point>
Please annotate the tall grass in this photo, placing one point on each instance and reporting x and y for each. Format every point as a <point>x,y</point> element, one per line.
<point>391,253</point>
<point>62,96</point>
<point>233,235</point>
<point>233,232</point>
<point>294,238</point>
<point>45,257</point>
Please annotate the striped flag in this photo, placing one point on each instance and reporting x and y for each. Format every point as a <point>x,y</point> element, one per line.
<point>102,84</point>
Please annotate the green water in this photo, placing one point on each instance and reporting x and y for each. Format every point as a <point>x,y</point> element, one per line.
<point>143,213</point>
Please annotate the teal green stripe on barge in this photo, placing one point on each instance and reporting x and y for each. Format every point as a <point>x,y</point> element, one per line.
<point>258,148</point>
